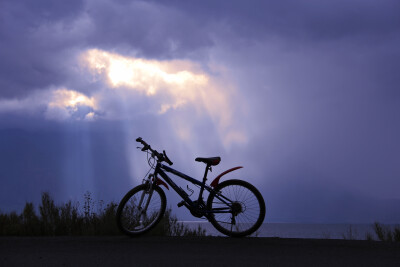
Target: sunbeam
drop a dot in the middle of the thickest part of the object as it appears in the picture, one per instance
(171, 85)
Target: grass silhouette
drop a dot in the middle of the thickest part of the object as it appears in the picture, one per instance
(385, 233)
(67, 220)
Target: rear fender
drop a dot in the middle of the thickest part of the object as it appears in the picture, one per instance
(215, 182)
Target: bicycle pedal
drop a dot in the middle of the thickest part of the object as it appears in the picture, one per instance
(180, 204)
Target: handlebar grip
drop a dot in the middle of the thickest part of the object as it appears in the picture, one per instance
(140, 140)
(145, 145)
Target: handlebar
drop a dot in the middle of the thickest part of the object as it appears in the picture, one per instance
(160, 157)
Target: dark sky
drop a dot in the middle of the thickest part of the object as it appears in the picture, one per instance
(304, 94)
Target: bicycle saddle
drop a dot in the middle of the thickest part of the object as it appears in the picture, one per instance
(210, 161)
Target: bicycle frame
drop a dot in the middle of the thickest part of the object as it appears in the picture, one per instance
(234, 207)
(161, 169)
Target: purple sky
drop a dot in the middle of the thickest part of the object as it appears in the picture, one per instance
(303, 94)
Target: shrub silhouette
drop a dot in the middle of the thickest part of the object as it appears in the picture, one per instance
(30, 222)
(50, 217)
(67, 220)
(169, 226)
(384, 233)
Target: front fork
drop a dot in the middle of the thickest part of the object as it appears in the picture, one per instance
(149, 183)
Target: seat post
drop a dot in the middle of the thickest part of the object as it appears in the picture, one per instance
(205, 173)
(204, 183)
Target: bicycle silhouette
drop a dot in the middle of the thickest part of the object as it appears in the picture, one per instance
(234, 207)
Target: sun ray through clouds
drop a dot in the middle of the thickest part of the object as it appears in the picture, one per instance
(173, 85)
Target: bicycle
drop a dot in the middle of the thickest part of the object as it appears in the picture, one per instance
(234, 207)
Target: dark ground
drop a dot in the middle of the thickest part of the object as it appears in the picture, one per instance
(190, 251)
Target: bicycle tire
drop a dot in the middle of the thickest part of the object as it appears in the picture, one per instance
(129, 220)
(251, 214)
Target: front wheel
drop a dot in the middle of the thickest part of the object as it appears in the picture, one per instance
(237, 209)
(141, 209)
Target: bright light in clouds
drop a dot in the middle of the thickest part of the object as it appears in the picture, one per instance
(143, 75)
(64, 103)
(69, 98)
(173, 84)
(58, 104)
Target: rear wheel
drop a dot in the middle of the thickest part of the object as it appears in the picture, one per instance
(140, 210)
(244, 212)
